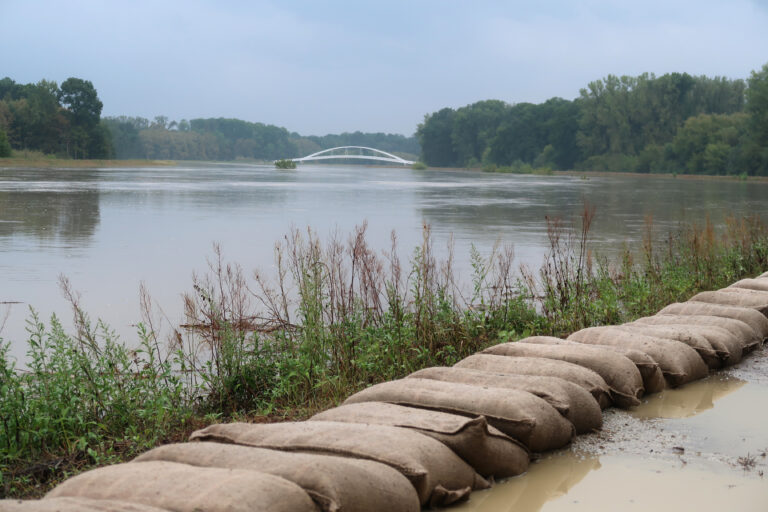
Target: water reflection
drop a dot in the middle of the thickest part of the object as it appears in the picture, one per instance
(49, 206)
(514, 207)
(546, 480)
(688, 400)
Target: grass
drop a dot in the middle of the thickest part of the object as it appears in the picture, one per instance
(37, 159)
(334, 317)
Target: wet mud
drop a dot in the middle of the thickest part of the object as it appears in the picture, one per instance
(701, 446)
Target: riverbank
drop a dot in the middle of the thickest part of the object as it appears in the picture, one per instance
(37, 160)
(597, 174)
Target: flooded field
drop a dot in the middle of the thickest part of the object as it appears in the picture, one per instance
(702, 447)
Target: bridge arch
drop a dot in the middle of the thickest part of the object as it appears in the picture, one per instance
(378, 155)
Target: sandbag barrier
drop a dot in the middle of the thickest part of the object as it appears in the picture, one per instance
(430, 439)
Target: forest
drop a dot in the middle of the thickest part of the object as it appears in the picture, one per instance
(229, 139)
(672, 123)
(62, 120)
(675, 123)
(66, 121)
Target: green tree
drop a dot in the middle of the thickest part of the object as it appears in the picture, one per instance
(434, 135)
(474, 127)
(5, 146)
(88, 139)
(80, 98)
(711, 143)
(757, 107)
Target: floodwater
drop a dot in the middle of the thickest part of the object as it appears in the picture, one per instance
(108, 230)
(702, 447)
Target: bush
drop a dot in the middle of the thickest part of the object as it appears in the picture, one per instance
(285, 164)
(419, 166)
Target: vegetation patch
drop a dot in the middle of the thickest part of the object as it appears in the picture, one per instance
(335, 317)
(285, 164)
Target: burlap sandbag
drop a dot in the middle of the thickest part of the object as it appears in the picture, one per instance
(334, 483)
(741, 297)
(74, 505)
(621, 375)
(679, 362)
(579, 375)
(572, 401)
(712, 358)
(653, 379)
(485, 448)
(519, 414)
(184, 488)
(439, 475)
(760, 283)
(724, 334)
(749, 316)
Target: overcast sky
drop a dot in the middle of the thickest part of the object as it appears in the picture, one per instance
(324, 66)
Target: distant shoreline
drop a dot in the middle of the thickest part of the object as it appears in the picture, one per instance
(52, 163)
(43, 162)
(596, 174)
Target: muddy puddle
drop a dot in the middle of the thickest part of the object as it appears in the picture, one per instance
(703, 446)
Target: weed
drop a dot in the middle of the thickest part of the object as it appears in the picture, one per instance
(336, 316)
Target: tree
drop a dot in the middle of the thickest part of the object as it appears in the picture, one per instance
(757, 105)
(434, 135)
(80, 98)
(84, 111)
(5, 147)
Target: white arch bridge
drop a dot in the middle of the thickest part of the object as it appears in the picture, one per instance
(354, 153)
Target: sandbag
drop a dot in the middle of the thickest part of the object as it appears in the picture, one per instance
(572, 401)
(489, 451)
(741, 297)
(653, 379)
(679, 362)
(334, 483)
(579, 375)
(754, 319)
(184, 488)
(712, 358)
(621, 375)
(439, 475)
(724, 334)
(760, 283)
(74, 505)
(519, 414)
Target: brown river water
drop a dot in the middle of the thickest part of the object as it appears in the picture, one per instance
(108, 230)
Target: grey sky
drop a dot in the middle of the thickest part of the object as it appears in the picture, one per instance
(320, 67)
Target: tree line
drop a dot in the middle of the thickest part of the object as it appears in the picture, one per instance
(671, 123)
(228, 139)
(66, 121)
(63, 120)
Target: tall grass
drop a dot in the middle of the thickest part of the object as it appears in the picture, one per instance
(333, 317)
(83, 399)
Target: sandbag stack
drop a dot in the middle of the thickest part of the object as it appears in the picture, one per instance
(433, 437)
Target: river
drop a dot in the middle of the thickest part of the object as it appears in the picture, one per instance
(107, 230)
(110, 229)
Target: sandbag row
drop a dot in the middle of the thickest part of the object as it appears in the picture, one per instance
(433, 437)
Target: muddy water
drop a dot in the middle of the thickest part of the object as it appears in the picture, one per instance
(108, 230)
(701, 447)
